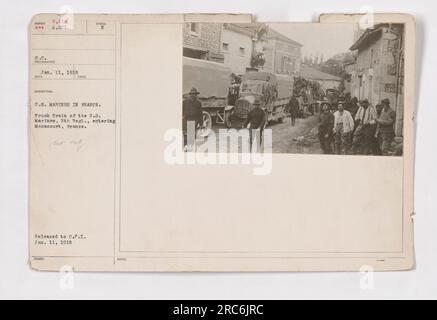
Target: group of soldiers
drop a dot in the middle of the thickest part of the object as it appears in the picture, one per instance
(354, 127)
(349, 127)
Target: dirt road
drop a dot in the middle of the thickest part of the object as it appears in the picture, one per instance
(302, 138)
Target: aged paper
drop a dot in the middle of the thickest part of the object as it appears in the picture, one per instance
(114, 186)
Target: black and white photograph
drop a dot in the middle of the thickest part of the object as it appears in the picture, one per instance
(225, 157)
(334, 89)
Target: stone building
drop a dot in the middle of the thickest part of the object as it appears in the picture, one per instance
(202, 41)
(282, 54)
(229, 43)
(236, 46)
(378, 72)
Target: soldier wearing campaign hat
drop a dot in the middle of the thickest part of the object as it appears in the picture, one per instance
(191, 112)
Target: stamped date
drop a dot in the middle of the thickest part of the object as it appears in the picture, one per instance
(57, 239)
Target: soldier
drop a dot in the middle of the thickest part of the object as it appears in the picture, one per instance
(191, 112)
(267, 92)
(376, 147)
(353, 108)
(386, 126)
(234, 91)
(293, 107)
(365, 120)
(326, 125)
(256, 118)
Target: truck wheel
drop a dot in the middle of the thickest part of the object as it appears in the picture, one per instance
(207, 120)
(228, 121)
(266, 122)
(207, 125)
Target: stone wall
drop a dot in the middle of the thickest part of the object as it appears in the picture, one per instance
(206, 39)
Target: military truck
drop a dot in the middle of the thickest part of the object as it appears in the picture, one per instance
(274, 92)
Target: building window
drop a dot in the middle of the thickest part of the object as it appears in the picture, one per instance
(286, 65)
(196, 54)
(225, 46)
(194, 28)
(242, 50)
(293, 66)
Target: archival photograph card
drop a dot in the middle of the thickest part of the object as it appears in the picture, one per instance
(216, 143)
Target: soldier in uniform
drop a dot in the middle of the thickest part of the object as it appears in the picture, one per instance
(256, 118)
(385, 127)
(234, 91)
(326, 127)
(191, 112)
(353, 107)
(293, 107)
(376, 147)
